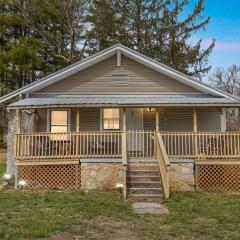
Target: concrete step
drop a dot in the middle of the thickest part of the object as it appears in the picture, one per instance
(143, 178)
(138, 184)
(145, 197)
(131, 173)
(142, 191)
(143, 167)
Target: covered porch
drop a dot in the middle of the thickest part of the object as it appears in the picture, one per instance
(74, 133)
(119, 137)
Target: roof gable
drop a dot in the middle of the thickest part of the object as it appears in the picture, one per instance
(116, 49)
(97, 79)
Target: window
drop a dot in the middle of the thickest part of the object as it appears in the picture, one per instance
(59, 121)
(111, 118)
(120, 79)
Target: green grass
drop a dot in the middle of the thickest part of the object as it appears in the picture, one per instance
(95, 215)
(3, 156)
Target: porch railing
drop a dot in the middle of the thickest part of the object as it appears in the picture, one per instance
(164, 164)
(140, 144)
(202, 144)
(67, 145)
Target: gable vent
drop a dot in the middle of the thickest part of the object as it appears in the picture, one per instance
(120, 79)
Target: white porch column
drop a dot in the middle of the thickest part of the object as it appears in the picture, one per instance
(124, 151)
(18, 120)
(77, 120)
(157, 120)
(223, 119)
(195, 129)
(124, 137)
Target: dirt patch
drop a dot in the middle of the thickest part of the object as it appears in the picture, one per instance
(61, 237)
(109, 228)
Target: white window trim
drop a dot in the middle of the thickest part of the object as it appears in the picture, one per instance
(59, 109)
(120, 120)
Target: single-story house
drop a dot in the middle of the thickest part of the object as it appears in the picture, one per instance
(121, 118)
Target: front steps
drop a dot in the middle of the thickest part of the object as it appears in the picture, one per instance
(144, 182)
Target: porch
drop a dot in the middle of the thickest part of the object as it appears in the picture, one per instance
(135, 144)
(128, 137)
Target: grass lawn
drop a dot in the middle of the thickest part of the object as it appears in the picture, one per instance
(95, 215)
(80, 215)
(3, 155)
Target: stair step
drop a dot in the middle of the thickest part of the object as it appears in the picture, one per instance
(145, 197)
(142, 173)
(143, 178)
(140, 184)
(141, 191)
(143, 167)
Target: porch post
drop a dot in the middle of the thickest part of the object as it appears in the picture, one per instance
(77, 121)
(195, 129)
(157, 120)
(194, 120)
(77, 130)
(18, 120)
(124, 152)
(124, 138)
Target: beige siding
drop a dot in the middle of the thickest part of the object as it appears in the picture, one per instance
(170, 119)
(97, 79)
(41, 122)
(209, 120)
(176, 120)
(182, 120)
(89, 119)
(149, 119)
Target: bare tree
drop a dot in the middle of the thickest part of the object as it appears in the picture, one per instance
(228, 79)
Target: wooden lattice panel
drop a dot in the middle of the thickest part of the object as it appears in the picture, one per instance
(50, 176)
(218, 177)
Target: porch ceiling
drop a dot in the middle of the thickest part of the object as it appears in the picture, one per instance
(123, 100)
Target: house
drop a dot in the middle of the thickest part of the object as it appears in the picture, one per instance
(121, 117)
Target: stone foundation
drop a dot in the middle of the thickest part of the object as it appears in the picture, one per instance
(101, 176)
(182, 176)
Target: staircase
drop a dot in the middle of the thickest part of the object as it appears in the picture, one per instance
(144, 182)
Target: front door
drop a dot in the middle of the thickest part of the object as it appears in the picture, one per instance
(134, 122)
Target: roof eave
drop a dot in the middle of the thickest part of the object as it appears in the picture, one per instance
(226, 105)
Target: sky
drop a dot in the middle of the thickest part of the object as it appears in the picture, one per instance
(225, 28)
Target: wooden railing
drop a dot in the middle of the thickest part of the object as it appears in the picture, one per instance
(164, 164)
(130, 144)
(202, 144)
(140, 144)
(67, 145)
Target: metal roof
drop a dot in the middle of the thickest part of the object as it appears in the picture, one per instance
(121, 101)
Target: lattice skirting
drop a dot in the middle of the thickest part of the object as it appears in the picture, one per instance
(50, 176)
(218, 177)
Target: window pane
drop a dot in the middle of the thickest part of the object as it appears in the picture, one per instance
(111, 118)
(57, 129)
(107, 113)
(59, 117)
(115, 113)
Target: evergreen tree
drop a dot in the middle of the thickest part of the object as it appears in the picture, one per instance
(157, 28)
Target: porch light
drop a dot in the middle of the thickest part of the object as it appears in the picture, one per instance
(6, 176)
(151, 109)
(119, 185)
(22, 183)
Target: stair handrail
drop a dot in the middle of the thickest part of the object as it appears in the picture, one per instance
(164, 164)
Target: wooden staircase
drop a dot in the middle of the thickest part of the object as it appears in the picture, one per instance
(147, 181)
(144, 182)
